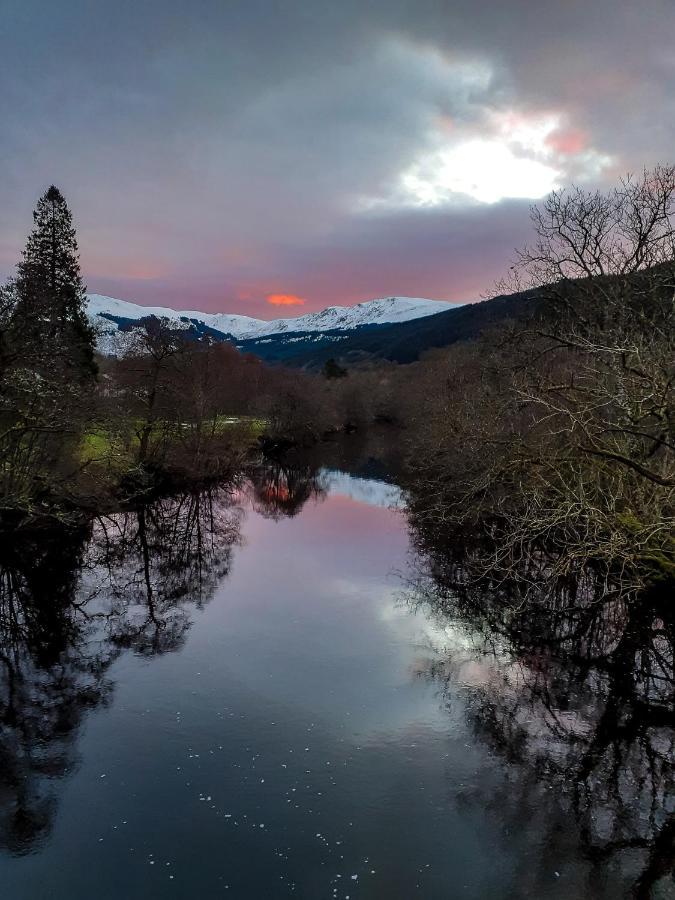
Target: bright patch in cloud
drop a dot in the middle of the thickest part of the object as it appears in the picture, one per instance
(285, 300)
(512, 160)
(487, 171)
(505, 154)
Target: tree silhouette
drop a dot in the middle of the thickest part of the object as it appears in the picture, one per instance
(49, 313)
(47, 368)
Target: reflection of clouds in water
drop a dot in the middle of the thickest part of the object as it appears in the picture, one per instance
(450, 729)
(446, 645)
(362, 490)
(573, 693)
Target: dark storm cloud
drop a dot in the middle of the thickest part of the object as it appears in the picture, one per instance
(216, 151)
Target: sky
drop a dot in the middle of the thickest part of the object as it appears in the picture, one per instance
(273, 158)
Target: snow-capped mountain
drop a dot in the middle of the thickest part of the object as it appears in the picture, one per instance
(112, 318)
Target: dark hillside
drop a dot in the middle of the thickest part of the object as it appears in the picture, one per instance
(401, 342)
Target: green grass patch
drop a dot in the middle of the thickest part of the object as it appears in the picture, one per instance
(107, 449)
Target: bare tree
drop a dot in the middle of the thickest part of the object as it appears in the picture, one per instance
(562, 434)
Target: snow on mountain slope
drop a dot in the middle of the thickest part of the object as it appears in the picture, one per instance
(233, 324)
(388, 310)
(391, 309)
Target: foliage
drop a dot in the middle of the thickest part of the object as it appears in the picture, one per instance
(46, 361)
(557, 440)
(48, 317)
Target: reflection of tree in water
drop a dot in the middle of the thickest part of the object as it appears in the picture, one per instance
(47, 679)
(576, 694)
(69, 604)
(279, 490)
(150, 563)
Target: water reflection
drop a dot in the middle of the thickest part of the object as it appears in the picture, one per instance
(154, 564)
(72, 601)
(556, 759)
(45, 684)
(69, 604)
(278, 489)
(575, 693)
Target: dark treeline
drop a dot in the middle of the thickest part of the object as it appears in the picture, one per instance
(541, 485)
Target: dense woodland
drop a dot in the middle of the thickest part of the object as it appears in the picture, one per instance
(550, 439)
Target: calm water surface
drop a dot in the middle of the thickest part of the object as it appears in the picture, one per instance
(238, 695)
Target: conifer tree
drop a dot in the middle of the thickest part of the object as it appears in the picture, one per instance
(49, 318)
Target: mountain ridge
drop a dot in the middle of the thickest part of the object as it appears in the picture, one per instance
(362, 339)
(379, 311)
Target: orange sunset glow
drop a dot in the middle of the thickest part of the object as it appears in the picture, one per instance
(285, 300)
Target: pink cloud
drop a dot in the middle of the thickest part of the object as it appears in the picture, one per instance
(567, 142)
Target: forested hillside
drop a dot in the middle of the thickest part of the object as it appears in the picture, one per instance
(401, 342)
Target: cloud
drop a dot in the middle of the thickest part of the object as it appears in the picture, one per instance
(569, 141)
(285, 300)
(343, 148)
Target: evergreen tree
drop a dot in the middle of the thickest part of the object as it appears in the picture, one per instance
(49, 319)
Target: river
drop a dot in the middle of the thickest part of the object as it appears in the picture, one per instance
(246, 694)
